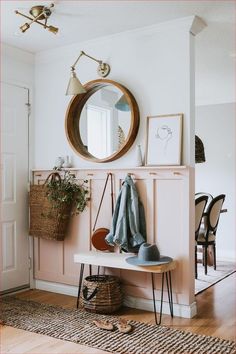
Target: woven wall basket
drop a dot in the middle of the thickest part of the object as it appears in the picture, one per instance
(101, 294)
(47, 222)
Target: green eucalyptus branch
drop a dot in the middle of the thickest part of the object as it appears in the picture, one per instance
(68, 191)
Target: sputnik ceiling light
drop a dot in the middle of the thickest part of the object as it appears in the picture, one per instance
(40, 15)
(74, 86)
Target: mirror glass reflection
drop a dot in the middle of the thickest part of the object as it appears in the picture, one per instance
(105, 122)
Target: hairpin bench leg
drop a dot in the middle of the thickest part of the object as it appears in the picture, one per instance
(80, 283)
(154, 301)
(169, 289)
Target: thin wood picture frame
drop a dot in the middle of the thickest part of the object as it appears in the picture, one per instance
(164, 140)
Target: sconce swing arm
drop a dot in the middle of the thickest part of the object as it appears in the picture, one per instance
(74, 86)
(103, 68)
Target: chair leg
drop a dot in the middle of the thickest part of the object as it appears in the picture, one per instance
(214, 254)
(195, 262)
(203, 256)
(205, 253)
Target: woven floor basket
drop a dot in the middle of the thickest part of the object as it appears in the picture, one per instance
(46, 222)
(101, 294)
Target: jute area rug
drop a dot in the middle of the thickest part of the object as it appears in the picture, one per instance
(223, 270)
(76, 326)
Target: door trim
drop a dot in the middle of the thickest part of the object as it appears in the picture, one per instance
(14, 290)
(30, 120)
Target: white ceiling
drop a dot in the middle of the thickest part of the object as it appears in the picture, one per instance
(83, 20)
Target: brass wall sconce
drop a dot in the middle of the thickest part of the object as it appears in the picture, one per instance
(74, 86)
(40, 15)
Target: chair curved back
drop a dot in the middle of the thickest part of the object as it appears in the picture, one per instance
(210, 197)
(213, 213)
(200, 204)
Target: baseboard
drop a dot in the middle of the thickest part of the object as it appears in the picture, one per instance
(225, 256)
(16, 290)
(56, 287)
(221, 256)
(186, 311)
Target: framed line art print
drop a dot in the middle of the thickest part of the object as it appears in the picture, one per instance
(164, 140)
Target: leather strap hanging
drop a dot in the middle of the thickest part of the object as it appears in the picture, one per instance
(53, 177)
(98, 236)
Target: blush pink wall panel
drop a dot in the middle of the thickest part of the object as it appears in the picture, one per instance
(164, 192)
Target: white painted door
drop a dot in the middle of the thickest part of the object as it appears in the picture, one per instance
(14, 187)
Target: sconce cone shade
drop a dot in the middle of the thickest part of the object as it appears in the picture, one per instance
(199, 150)
(122, 104)
(74, 86)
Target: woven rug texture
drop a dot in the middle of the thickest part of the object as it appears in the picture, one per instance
(76, 326)
(203, 282)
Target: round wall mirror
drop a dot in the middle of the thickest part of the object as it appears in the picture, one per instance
(102, 124)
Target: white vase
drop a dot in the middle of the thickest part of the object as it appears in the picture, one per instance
(139, 160)
(67, 162)
(59, 162)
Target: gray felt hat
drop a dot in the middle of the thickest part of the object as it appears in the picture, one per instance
(148, 255)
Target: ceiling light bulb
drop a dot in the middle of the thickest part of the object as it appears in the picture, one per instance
(24, 27)
(46, 12)
(53, 29)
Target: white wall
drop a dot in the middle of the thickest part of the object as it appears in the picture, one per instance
(215, 63)
(154, 63)
(215, 125)
(17, 68)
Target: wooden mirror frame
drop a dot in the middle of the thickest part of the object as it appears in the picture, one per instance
(73, 117)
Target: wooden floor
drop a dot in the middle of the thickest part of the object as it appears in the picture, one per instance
(216, 317)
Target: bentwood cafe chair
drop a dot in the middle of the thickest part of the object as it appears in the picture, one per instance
(207, 234)
(200, 204)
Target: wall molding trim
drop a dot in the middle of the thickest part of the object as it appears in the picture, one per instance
(188, 24)
(185, 311)
(150, 183)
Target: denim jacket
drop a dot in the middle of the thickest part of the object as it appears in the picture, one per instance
(128, 228)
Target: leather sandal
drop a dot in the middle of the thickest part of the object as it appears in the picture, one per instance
(104, 325)
(124, 327)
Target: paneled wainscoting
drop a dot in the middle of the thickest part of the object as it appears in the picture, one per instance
(166, 193)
